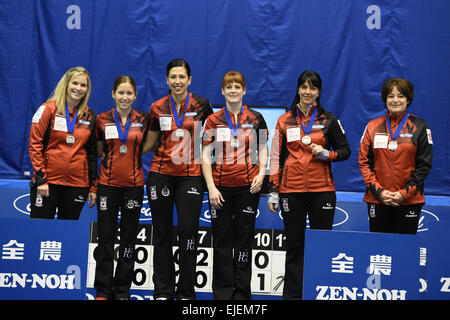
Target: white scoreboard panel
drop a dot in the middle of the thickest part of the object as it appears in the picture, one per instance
(267, 265)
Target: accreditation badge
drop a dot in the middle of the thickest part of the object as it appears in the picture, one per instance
(380, 141)
(60, 124)
(293, 134)
(111, 132)
(165, 123)
(223, 134)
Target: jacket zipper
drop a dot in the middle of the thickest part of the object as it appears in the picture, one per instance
(285, 177)
(84, 171)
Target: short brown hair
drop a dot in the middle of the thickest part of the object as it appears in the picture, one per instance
(403, 85)
(233, 76)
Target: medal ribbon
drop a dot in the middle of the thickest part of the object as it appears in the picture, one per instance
(311, 121)
(400, 126)
(234, 130)
(123, 135)
(178, 121)
(71, 124)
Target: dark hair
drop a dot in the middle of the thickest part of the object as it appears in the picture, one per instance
(124, 79)
(403, 85)
(178, 63)
(313, 79)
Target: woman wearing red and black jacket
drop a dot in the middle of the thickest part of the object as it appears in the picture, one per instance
(175, 177)
(63, 150)
(234, 164)
(120, 133)
(395, 157)
(307, 139)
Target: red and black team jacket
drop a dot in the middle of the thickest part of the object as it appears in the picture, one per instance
(234, 167)
(179, 156)
(404, 169)
(117, 169)
(53, 159)
(293, 167)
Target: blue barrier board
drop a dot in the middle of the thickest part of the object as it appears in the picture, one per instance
(343, 265)
(42, 259)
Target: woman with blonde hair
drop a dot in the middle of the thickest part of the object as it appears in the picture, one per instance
(63, 150)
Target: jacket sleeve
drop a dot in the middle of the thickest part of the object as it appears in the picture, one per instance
(208, 110)
(92, 156)
(424, 157)
(39, 132)
(366, 164)
(277, 155)
(340, 147)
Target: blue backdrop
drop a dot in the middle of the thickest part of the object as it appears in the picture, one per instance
(354, 45)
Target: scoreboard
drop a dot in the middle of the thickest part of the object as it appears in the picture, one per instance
(267, 260)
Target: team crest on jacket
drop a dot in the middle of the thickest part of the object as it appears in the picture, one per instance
(213, 213)
(284, 204)
(103, 206)
(153, 194)
(39, 200)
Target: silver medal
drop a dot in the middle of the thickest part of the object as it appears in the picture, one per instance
(179, 133)
(306, 140)
(123, 149)
(392, 146)
(234, 143)
(70, 139)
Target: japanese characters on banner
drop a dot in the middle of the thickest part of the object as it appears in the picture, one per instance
(360, 266)
(43, 259)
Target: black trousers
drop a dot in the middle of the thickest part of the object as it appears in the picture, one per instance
(186, 193)
(388, 219)
(233, 228)
(319, 207)
(68, 200)
(110, 200)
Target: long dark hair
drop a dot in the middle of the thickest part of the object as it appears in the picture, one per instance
(313, 79)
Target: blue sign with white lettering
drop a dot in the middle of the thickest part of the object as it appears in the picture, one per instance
(43, 259)
(438, 261)
(341, 265)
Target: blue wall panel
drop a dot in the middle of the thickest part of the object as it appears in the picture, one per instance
(354, 45)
